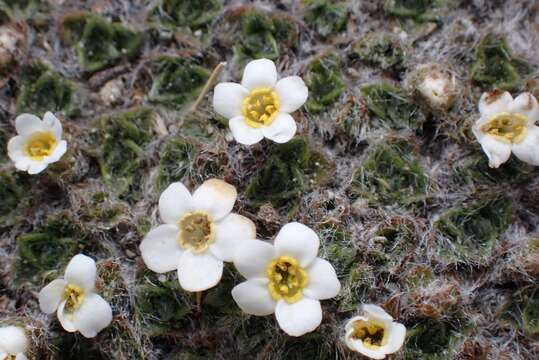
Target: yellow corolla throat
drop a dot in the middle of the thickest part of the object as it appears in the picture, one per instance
(197, 231)
(74, 296)
(261, 107)
(41, 145)
(286, 279)
(10, 357)
(507, 127)
(372, 333)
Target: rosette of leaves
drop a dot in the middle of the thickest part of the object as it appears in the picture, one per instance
(418, 10)
(193, 14)
(325, 16)
(430, 339)
(325, 82)
(380, 49)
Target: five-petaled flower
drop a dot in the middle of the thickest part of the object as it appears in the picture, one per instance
(260, 106)
(13, 343)
(374, 334)
(73, 298)
(506, 125)
(38, 143)
(199, 233)
(286, 278)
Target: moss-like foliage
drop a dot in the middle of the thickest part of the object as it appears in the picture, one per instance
(530, 315)
(392, 106)
(264, 35)
(191, 14)
(286, 174)
(325, 16)
(325, 83)
(162, 307)
(381, 50)
(394, 241)
(430, 340)
(13, 190)
(176, 81)
(417, 10)
(360, 284)
(100, 43)
(16, 10)
(176, 161)
(50, 247)
(73, 346)
(338, 248)
(43, 90)
(390, 175)
(495, 66)
(469, 232)
(122, 139)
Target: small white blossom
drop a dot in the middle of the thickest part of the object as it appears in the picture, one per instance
(508, 125)
(13, 343)
(260, 106)
(73, 298)
(374, 334)
(286, 278)
(38, 143)
(199, 233)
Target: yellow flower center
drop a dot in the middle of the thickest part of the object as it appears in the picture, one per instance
(260, 107)
(74, 296)
(10, 357)
(372, 333)
(286, 279)
(197, 231)
(507, 127)
(40, 145)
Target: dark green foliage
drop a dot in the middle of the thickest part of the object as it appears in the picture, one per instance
(394, 241)
(338, 248)
(430, 340)
(264, 35)
(470, 231)
(381, 50)
(13, 188)
(43, 90)
(390, 175)
(16, 10)
(392, 106)
(417, 10)
(176, 81)
(530, 315)
(73, 346)
(325, 83)
(357, 287)
(495, 67)
(100, 43)
(325, 16)
(122, 139)
(285, 175)
(319, 344)
(176, 161)
(193, 14)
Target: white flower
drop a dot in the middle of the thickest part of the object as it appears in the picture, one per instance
(38, 144)
(286, 278)
(13, 343)
(506, 125)
(73, 298)
(261, 106)
(374, 334)
(199, 233)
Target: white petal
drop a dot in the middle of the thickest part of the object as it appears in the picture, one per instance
(282, 129)
(174, 202)
(497, 152)
(65, 318)
(27, 124)
(23, 164)
(252, 258)
(94, 315)
(376, 312)
(350, 323)
(51, 296)
(161, 249)
(528, 149)
(81, 271)
(13, 340)
(494, 102)
(58, 152)
(526, 104)
(259, 73)
(292, 93)
(216, 197)
(252, 296)
(298, 241)
(357, 345)
(36, 167)
(228, 98)
(396, 339)
(300, 317)
(198, 272)
(16, 147)
(323, 283)
(52, 122)
(230, 233)
(21, 356)
(243, 133)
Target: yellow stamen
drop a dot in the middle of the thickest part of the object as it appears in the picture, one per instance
(507, 127)
(371, 332)
(260, 107)
(74, 296)
(197, 231)
(286, 279)
(41, 145)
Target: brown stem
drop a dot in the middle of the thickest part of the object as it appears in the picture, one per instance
(215, 73)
